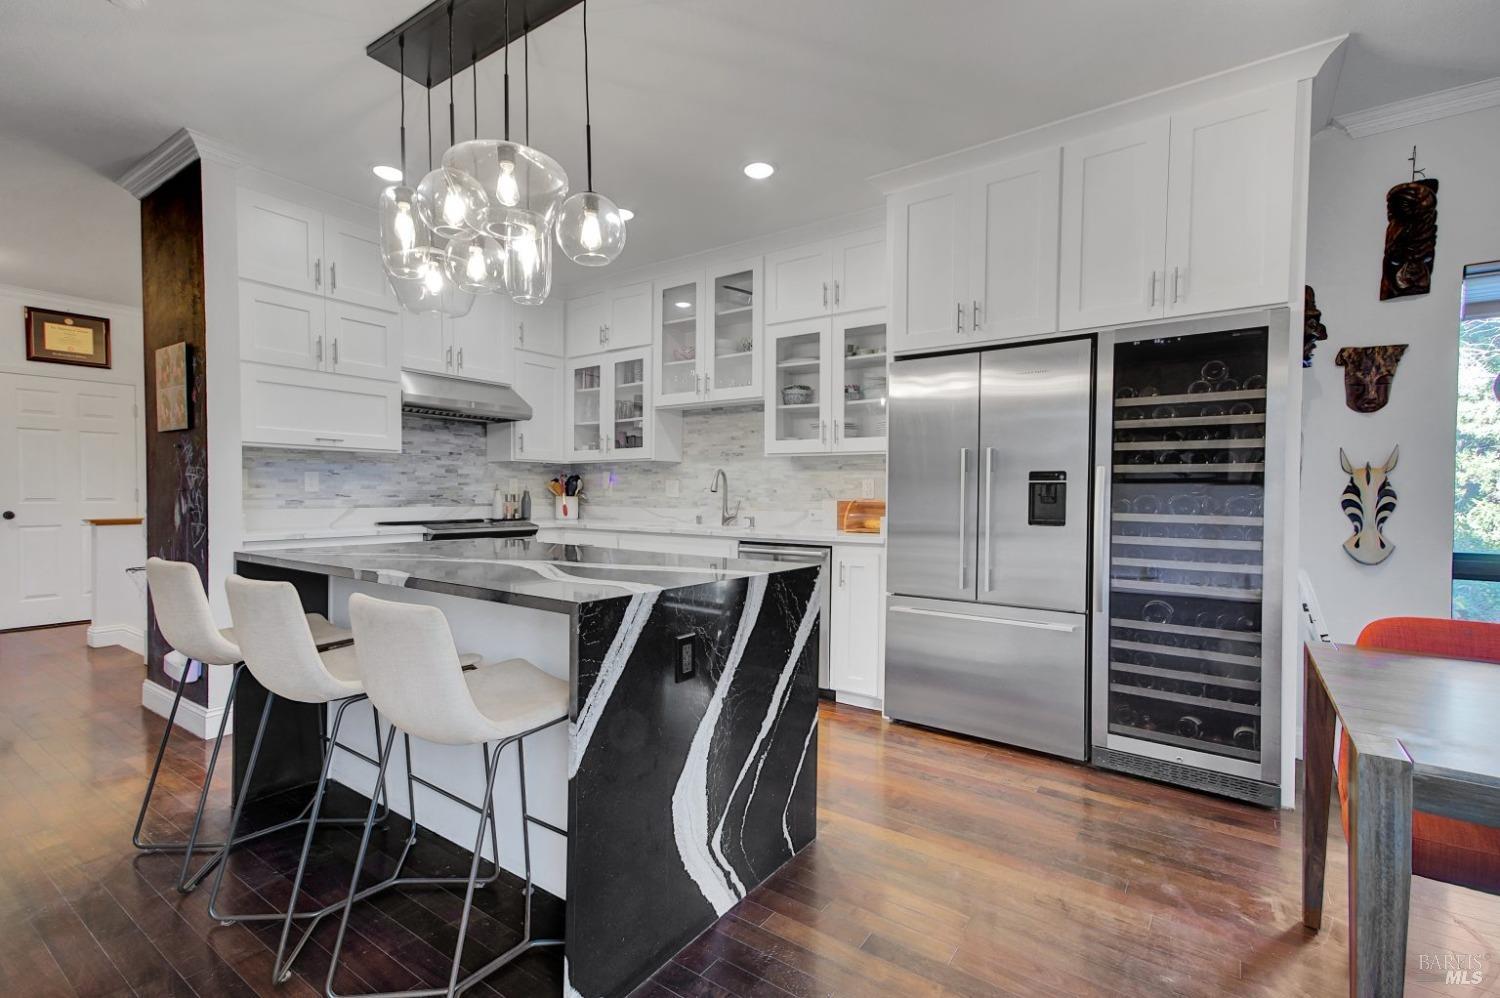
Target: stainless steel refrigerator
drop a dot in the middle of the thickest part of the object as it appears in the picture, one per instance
(987, 624)
(1086, 548)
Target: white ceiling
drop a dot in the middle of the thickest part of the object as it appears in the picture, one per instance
(685, 92)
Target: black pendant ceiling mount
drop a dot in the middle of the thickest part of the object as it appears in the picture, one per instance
(479, 30)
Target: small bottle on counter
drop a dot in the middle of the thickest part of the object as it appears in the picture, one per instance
(525, 504)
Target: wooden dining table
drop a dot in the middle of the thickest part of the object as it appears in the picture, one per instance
(1423, 734)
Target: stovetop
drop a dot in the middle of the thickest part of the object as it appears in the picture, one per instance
(454, 524)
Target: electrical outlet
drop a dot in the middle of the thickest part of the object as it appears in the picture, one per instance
(674, 487)
(310, 481)
(867, 488)
(687, 664)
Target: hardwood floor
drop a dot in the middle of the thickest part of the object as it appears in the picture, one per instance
(943, 866)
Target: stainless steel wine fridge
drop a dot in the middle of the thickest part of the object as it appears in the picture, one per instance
(1187, 566)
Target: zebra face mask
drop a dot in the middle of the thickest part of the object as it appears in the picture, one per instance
(1368, 501)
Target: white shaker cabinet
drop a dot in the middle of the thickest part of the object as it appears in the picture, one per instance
(856, 646)
(280, 243)
(1012, 247)
(362, 342)
(843, 274)
(355, 272)
(538, 380)
(617, 319)
(477, 346)
(1229, 203)
(928, 226)
(1114, 210)
(297, 330)
(539, 328)
(286, 407)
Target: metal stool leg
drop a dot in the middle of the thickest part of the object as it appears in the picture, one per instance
(161, 752)
(359, 859)
(186, 884)
(486, 816)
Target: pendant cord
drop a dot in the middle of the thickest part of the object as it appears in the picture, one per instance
(401, 48)
(588, 121)
(507, 70)
(526, 72)
(429, 124)
(474, 80)
(452, 131)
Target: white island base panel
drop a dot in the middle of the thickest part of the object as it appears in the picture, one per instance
(497, 631)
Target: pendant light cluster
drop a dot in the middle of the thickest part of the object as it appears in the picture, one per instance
(483, 221)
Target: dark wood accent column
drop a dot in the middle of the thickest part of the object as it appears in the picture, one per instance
(172, 311)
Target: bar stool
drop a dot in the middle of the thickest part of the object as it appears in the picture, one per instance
(185, 620)
(404, 651)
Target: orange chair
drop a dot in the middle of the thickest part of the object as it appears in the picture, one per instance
(1455, 852)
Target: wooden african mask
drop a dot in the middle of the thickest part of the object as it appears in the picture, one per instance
(1368, 373)
(1368, 501)
(1313, 330)
(1410, 239)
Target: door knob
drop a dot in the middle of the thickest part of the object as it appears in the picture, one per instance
(8, 515)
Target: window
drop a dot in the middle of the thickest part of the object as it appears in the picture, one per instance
(1476, 487)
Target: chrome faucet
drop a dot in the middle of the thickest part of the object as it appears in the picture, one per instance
(726, 518)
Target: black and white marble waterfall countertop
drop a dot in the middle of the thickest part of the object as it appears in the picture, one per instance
(559, 577)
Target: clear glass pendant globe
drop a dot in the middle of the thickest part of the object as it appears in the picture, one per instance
(590, 231)
(529, 268)
(477, 263)
(523, 187)
(451, 202)
(404, 237)
(412, 294)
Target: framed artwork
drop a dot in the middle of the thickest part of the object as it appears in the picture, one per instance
(172, 388)
(67, 338)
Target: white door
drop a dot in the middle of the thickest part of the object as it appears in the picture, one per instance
(1229, 205)
(424, 342)
(355, 272)
(363, 342)
(733, 332)
(539, 328)
(315, 410)
(281, 327)
(860, 382)
(797, 384)
(680, 345)
(854, 647)
(1114, 227)
(859, 271)
(928, 277)
(628, 421)
(539, 380)
(583, 324)
(280, 243)
(587, 406)
(629, 322)
(798, 283)
(1013, 247)
(481, 341)
(67, 453)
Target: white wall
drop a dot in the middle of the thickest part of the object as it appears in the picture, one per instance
(1345, 242)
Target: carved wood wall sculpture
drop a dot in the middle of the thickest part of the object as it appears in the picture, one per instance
(1410, 239)
(1368, 373)
(1313, 330)
(1368, 501)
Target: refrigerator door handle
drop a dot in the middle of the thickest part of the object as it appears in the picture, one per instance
(1101, 533)
(963, 512)
(989, 503)
(1040, 625)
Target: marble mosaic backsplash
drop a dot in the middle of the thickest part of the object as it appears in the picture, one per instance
(444, 462)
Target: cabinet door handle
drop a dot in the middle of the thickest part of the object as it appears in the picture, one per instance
(822, 431)
(697, 384)
(318, 346)
(601, 334)
(835, 431)
(708, 383)
(333, 276)
(825, 294)
(842, 576)
(1151, 290)
(974, 316)
(522, 447)
(318, 272)
(335, 351)
(1102, 527)
(607, 330)
(329, 440)
(1177, 282)
(958, 322)
(460, 358)
(522, 338)
(835, 292)
(448, 358)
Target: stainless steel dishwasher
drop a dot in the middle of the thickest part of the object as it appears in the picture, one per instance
(812, 554)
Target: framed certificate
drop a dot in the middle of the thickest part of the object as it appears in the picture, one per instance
(67, 338)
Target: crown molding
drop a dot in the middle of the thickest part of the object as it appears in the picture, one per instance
(167, 160)
(1415, 110)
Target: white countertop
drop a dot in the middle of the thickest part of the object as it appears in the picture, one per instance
(786, 535)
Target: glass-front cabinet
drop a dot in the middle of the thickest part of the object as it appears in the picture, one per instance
(827, 385)
(1186, 431)
(609, 411)
(709, 328)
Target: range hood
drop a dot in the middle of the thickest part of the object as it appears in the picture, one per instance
(459, 398)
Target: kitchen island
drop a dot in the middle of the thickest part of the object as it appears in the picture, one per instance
(687, 772)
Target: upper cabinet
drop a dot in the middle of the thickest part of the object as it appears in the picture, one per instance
(1180, 216)
(608, 412)
(539, 328)
(292, 329)
(477, 346)
(295, 247)
(617, 319)
(827, 385)
(539, 380)
(975, 256)
(708, 335)
(845, 274)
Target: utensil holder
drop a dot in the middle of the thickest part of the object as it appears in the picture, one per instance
(565, 507)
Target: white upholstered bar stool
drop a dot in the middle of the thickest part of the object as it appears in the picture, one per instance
(405, 653)
(185, 620)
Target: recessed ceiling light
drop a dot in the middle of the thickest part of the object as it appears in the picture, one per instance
(129, 4)
(759, 171)
(626, 214)
(683, 304)
(388, 173)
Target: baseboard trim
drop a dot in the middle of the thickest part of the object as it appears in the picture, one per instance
(859, 700)
(191, 717)
(123, 635)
